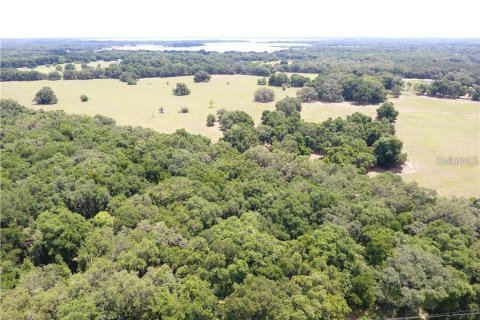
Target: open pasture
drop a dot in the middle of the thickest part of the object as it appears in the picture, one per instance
(431, 129)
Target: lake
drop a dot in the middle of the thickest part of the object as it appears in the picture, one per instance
(242, 46)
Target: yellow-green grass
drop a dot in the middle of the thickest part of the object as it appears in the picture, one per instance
(430, 128)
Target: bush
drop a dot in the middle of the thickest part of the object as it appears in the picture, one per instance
(264, 95)
(387, 111)
(201, 76)
(289, 105)
(83, 98)
(211, 120)
(54, 76)
(307, 94)
(299, 81)
(181, 90)
(183, 110)
(262, 81)
(45, 96)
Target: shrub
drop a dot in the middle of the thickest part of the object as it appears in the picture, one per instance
(201, 76)
(264, 95)
(181, 90)
(54, 76)
(262, 81)
(83, 98)
(183, 110)
(307, 94)
(387, 111)
(45, 96)
(211, 120)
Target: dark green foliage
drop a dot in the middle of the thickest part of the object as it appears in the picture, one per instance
(388, 151)
(54, 76)
(278, 79)
(387, 111)
(307, 94)
(181, 90)
(84, 98)
(329, 88)
(103, 221)
(289, 105)
(228, 119)
(211, 120)
(298, 81)
(45, 96)
(264, 95)
(201, 76)
(364, 90)
(446, 89)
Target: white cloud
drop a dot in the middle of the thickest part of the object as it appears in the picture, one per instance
(246, 18)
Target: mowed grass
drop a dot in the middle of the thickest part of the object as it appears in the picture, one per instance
(430, 128)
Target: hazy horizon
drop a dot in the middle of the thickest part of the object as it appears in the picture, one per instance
(266, 19)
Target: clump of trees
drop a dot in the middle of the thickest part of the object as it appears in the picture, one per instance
(443, 88)
(54, 76)
(307, 94)
(201, 76)
(45, 96)
(181, 89)
(264, 95)
(363, 90)
(278, 79)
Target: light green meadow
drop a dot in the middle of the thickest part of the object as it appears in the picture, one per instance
(430, 128)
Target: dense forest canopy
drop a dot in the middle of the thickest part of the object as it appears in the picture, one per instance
(101, 221)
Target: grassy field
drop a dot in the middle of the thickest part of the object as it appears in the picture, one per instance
(430, 128)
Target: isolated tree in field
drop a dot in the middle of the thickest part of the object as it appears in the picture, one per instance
(387, 111)
(289, 105)
(278, 79)
(45, 96)
(264, 95)
(262, 81)
(201, 76)
(388, 151)
(211, 120)
(307, 94)
(84, 98)
(54, 76)
(181, 90)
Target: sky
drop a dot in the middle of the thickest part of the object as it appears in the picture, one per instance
(200, 19)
